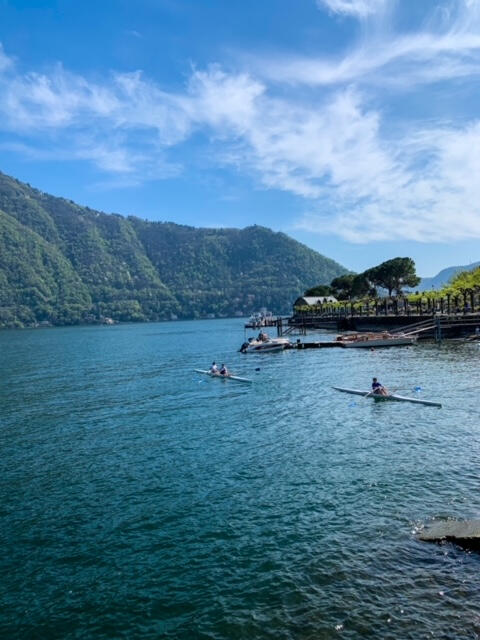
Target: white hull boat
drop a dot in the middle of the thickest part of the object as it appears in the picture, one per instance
(390, 396)
(264, 346)
(369, 340)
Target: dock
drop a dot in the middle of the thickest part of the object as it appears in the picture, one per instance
(321, 344)
(463, 533)
(434, 326)
(439, 317)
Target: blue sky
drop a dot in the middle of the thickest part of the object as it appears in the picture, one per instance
(352, 125)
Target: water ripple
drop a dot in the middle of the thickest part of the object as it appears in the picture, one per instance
(140, 500)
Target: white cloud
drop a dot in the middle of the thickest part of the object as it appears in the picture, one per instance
(220, 99)
(439, 203)
(134, 33)
(107, 124)
(357, 8)
(58, 100)
(5, 61)
(362, 166)
(446, 48)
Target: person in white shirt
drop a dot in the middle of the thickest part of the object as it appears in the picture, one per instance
(214, 368)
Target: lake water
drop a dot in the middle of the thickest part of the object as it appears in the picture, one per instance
(141, 500)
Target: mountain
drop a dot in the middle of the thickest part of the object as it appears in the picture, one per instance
(444, 276)
(61, 263)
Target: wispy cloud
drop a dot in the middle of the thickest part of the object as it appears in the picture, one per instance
(357, 8)
(108, 124)
(134, 33)
(362, 166)
(5, 61)
(446, 45)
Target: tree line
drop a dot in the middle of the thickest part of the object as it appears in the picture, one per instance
(392, 275)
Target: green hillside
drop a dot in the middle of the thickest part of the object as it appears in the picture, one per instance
(65, 264)
(36, 282)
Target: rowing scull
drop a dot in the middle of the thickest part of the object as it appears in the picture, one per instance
(391, 396)
(219, 375)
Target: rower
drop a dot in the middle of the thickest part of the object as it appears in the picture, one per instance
(378, 389)
(224, 371)
(214, 368)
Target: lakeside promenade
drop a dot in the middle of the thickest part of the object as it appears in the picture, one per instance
(429, 324)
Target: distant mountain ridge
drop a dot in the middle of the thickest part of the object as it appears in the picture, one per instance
(61, 263)
(443, 277)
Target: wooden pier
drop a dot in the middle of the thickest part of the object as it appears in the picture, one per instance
(434, 326)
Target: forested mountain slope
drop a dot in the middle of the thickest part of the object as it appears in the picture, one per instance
(65, 264)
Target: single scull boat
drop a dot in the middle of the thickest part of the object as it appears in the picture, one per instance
(391, 396)
(219, 375)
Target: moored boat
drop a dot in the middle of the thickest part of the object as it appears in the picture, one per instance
(264, 343)
(371, 339)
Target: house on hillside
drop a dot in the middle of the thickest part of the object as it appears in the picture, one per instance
(312, 301)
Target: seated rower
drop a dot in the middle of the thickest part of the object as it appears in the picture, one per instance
(224, 371)
(214, 369)
(378, 389)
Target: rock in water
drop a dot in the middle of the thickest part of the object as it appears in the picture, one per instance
(465, 533)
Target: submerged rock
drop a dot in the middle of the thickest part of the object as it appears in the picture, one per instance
(465, 533)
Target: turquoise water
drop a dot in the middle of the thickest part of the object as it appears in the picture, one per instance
(140, 500)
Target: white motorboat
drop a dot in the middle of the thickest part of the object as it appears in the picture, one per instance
(264, 344)
(370, 339)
